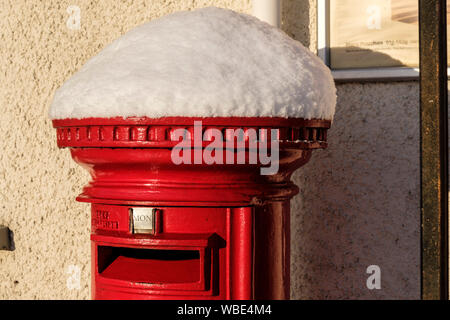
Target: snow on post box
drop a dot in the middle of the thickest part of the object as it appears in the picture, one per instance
(178, 122)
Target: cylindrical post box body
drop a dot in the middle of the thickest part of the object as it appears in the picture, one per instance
(196, 230)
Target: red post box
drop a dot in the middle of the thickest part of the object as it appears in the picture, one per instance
(162, 230)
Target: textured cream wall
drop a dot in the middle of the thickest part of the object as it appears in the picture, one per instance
(359, 200)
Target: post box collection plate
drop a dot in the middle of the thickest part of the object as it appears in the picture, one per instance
(142, 220)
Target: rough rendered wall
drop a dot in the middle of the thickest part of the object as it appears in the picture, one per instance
(359, 199)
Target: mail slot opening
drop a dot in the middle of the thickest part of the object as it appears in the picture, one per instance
(149, 265)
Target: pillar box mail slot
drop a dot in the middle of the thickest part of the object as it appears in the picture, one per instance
(167, 265)
(149, 266)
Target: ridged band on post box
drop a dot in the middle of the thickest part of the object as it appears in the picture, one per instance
(217, 231)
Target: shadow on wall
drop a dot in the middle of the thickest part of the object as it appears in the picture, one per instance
(296, 20)
(359, 199)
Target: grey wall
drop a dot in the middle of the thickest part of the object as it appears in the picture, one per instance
(359, 200)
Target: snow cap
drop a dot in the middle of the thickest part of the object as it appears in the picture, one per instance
(208, 62)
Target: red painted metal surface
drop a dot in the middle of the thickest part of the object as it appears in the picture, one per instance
(221, 230)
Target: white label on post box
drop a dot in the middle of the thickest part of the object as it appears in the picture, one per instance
(142, 220)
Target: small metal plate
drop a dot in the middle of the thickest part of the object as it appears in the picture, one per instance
(142, 220)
